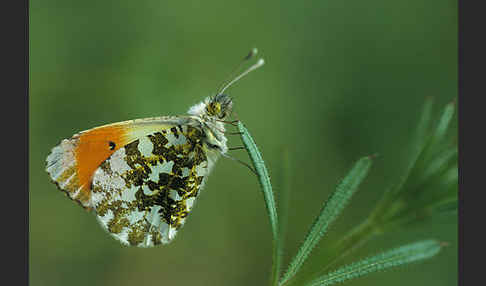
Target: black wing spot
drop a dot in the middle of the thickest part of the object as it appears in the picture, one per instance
(112, 145)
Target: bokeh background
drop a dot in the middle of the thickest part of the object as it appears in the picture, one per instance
(343, 79)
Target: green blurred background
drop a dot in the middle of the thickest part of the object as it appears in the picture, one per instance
(342, 79)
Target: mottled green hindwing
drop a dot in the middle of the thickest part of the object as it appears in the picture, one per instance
(143, 193)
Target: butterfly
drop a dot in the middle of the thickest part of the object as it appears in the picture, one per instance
(141, 177)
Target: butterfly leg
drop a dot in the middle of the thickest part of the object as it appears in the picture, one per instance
(239, 161)
(233, 122)
(236, 148)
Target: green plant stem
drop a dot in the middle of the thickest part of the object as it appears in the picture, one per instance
(275, 263)
(351, 241)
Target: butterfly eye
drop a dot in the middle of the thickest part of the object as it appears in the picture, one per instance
(112, 145)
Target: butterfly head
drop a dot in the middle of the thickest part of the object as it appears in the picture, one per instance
(219, 106)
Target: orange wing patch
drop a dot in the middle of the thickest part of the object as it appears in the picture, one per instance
(72, 163)
(94, 147)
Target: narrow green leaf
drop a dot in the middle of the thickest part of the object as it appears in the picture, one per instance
(446, 205)
(263, 177)
(450, 208)
(451, 176)
(266, 186)
(436, 143)
(444, 122)
(441, 162)
(329, 212)
(283, 202)
(444, 183)
(435, 171)
(422, 131)
(420, 145)
(395, 257)
(419, 142)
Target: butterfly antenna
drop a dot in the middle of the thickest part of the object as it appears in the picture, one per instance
(258, 64)
(225, 85)
(250, 55)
